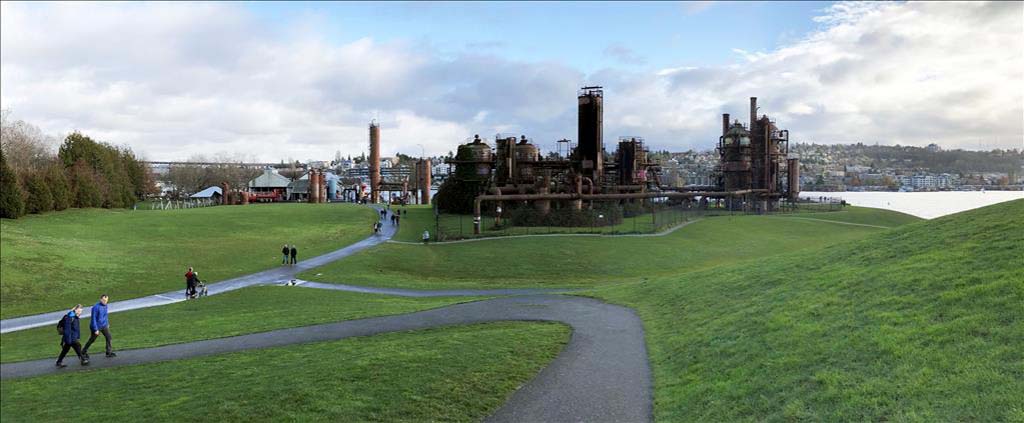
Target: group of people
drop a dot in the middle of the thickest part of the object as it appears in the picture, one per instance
(288, 254)
(395, 217)
(69, 331)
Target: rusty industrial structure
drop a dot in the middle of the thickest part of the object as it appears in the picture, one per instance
(753, 159)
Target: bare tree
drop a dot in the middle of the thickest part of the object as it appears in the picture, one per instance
(25, 146)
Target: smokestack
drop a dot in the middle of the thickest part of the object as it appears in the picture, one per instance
(725, 123)
(793, 174)
(753, 112)
(374, 162)
(424, 181)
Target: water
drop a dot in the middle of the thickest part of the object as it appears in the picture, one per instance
(928, 205)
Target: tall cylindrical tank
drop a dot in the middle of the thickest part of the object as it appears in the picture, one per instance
(525, 154)
(734, 149)
(590, 133)
(311, 186)
(793, 178)
(332, 187)
(374, 162)
(423, 180)
(477, 160)
(321, 184)
(725, 123)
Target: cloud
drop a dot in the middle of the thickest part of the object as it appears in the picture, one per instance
(624, 55)
(175, 80)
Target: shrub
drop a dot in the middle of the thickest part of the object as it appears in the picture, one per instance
(85, 185)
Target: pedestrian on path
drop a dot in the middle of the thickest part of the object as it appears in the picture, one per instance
(190, 283)
(426, 236)
(98, 323)
(69, 335)
(284, 254)
(294, 253)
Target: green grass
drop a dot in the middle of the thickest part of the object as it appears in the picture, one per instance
(585, 261)
(52, 261)
(861, 215)
(249, 310)
(920, 323)
(449, 374)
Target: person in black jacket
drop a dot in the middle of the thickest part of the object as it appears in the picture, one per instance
(69, 337)
(284, 254)
(294, 252)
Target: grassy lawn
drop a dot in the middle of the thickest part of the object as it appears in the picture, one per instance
(250, 310)
(585, 261)
(920, 323)
(449, 374)
(52, 261)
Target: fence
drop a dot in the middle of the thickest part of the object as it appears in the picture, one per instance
(611, 218)
(162, 204)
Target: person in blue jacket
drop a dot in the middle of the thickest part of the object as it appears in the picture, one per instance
(99, 323)
(69, 336)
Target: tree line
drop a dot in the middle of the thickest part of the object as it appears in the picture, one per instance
(82, 173)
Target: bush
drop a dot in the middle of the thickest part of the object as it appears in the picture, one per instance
(457, 196)
(12, 203)
(600, 215)
(39, 200)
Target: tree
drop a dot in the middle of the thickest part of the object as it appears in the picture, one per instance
(12, 204)
(39, 199)
(86, 189)
(59, 188)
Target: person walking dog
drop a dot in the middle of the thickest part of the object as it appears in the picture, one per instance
(68, 330)
(98, 323)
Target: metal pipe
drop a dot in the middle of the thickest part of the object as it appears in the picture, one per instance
(725, 123)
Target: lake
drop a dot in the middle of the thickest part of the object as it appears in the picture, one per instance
(928, 205)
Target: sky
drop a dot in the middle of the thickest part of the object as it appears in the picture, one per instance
(283, 81)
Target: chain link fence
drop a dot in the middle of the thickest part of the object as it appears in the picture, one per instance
(610, 218)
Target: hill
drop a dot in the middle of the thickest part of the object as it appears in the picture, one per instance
(923, 322)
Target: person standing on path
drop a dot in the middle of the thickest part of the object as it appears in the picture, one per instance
(190, 283)
(98, 323)
(284, 255)
(69, 336)
(426, 236)
(293, 252)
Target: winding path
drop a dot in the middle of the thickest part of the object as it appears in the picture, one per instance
(601, 375)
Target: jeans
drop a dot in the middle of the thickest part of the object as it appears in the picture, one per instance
(106, 335)
(64, 351)
(284, 259)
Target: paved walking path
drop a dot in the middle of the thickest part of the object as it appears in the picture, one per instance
(833, 221)
(601, 375)
(272, 276)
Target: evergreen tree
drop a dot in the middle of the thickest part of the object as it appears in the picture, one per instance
(39, 200)
(87, 192)
(59, 188)
(12, 203)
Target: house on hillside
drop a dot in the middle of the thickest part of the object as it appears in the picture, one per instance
(213, 193)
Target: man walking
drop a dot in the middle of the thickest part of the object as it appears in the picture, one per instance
(293, 252)
(284, 254)
(99, 323)
(68, 329)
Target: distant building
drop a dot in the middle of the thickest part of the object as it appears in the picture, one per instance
(212, 193)
(933, 148)
(270, 184)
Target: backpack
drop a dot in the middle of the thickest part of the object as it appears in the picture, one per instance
(60, 326)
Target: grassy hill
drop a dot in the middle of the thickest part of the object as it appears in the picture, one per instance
(921, 323)
(52, 261)
(586, 261)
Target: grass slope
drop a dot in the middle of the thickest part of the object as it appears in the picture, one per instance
(585, 261)
(49, 262)
(450, 374)
(920, 323)
(250, 310)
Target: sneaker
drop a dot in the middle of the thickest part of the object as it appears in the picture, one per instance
(111, 354)
(86, 355)
(85, 362)
(61, 365)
